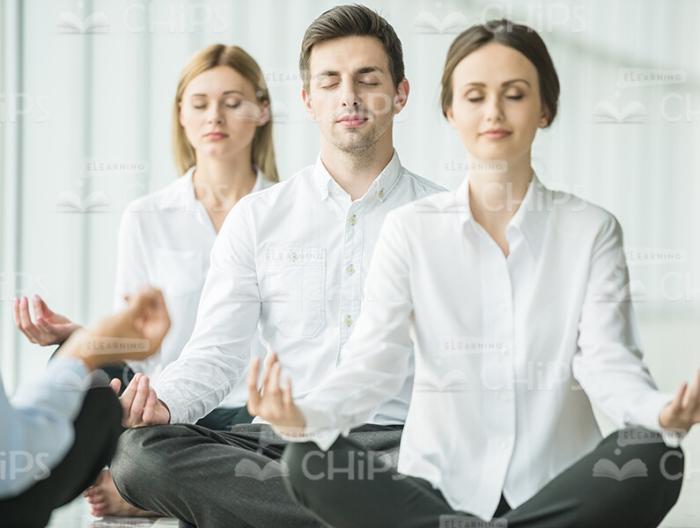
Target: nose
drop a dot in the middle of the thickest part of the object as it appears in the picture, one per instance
(349, 97)
(493, 110)
(214, 113)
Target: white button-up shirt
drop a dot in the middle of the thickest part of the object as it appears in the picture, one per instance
(289, 261)
(165, 240)
(509, 352)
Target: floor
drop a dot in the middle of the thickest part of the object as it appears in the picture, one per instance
(77, 515)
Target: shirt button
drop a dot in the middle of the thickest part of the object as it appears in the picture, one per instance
(380, 193)
(348, 320)
(353, 220)
(350, 269)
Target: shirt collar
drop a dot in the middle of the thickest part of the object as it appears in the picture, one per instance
(179, 194)
(530, 218)
(380, 189)
(183, 196)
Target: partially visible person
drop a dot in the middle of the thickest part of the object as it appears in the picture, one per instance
(222, 141)
(57, 434)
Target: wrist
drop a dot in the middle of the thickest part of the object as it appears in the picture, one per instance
(78, 346)
(167, 409)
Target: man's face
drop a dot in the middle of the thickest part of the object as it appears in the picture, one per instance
(351, 93)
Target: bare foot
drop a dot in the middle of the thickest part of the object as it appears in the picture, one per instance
(104, 500)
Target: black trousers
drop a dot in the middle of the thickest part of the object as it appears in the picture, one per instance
(97, 430)
(574, 498)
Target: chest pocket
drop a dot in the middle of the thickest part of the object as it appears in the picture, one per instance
(178, 272)
(292, 288)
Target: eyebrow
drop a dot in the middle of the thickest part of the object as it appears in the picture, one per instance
(506, 83)
(359, 71)
(227, 92)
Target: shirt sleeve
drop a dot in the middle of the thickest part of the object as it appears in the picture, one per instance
(132, 272)
(377, 357)
(37, 426)
(609, 363)
(217, 355)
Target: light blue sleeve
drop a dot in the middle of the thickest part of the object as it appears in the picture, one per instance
(36, 428)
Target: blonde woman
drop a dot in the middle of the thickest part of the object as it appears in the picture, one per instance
(222, 139)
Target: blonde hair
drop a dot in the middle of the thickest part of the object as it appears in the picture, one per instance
(263, 151)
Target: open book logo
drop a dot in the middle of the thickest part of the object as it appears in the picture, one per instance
(249, 469)
(69, 22)
(429, 23)
(610, 112)
(71, 202)
(632, 469)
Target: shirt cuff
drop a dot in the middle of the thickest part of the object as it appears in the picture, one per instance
(648, 417)
(315, 430)
(178, 413)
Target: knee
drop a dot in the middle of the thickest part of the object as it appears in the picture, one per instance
(664, 464)
(304, 464)
(137, 457)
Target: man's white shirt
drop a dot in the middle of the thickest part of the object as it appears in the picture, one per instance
(289, 262)
(509, 352)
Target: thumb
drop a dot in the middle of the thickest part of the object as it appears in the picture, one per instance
(116, 385)
(41, 308)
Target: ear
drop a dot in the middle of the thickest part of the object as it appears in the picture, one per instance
(264, 114)
(401, 98)
(450, 117)
(179, 114)
(544, 118)
(306, 98)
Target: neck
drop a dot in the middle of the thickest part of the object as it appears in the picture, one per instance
(223, 181)
(495, 196)
(355, 172)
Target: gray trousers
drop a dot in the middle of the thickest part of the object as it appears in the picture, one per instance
(582, 496)
(219, 478)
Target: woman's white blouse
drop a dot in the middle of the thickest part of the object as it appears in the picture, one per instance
(165, 240)
(509, 352)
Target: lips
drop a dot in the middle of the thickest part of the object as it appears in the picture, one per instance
(352, 121)
(215, 136)
(496, 133)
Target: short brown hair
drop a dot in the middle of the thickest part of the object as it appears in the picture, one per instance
(517, 36)
(352, 20)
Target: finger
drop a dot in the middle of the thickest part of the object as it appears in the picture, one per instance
(116, 385)
(149, 411)
(287, 398)
(270, 360)
(274, 387)
(691, 395)
(137, 406)
(676, 406)
(25, 319)
(15, 309)
(127, 397)
(253, 392)
(40, 308)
